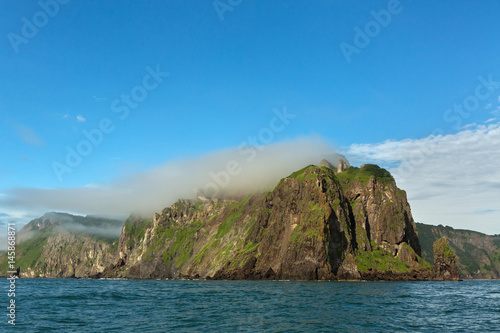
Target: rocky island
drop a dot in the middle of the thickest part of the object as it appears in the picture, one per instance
(319, 223)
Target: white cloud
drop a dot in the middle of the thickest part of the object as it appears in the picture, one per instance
(448, 178)
(29, 136)
(66, 116)
(148, 192)
(472, 125)
(490, 120)
(80, 119)
(17, 219)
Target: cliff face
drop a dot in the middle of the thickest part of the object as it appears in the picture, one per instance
(313, 225)
(63, 245)
(68, 255)
(478, 255)
(380, 209)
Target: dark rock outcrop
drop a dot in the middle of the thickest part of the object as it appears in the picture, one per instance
(445, 265)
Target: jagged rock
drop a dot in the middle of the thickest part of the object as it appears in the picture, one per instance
(325, 163)
(445, 265)
(349, 270)
(342, 165)
(380, 209)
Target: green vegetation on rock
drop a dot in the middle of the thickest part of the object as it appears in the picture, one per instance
(136, 229)
(29, 251)
(301, 174)
(379, 260)
(177, 242)
(237, 208)
(365, 173)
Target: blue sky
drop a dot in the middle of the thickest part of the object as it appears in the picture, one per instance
(231, 65)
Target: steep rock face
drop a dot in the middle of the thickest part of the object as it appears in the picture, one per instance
(342, 165)
(64, 245)
(478, 255)
(309, 227)
(68, 255)
(381, 211)
(445, 265)
(306, 234)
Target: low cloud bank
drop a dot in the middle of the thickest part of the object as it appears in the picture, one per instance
(234, 171)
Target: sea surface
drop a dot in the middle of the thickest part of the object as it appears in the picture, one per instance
(71, 305)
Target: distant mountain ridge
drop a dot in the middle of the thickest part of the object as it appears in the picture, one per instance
(478, 254)
(65, 245)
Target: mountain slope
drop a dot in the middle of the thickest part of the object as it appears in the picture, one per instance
(64, 245)
(478, 255)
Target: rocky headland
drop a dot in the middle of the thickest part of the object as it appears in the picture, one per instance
(319, 223)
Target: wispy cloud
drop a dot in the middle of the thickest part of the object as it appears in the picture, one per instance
(485, 211)
(80, 119)
(16, 217)
(98, 99)
(147, 192)
(28, 135)
(447, 177)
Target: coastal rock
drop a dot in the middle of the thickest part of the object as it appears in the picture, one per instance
(310, 227)
(380, 209)
(445, 265)
(65, 246)
(316, 224)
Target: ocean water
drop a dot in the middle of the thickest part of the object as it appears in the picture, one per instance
(70, 305)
